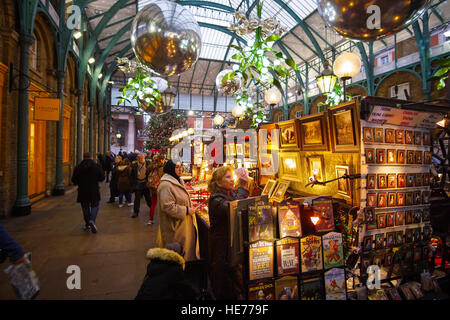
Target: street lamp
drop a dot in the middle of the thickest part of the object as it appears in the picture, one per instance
(327, 79)
(346, 66)
(118, 136)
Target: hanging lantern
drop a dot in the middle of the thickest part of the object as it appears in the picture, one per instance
(228, 86)
(347, 65)
(166, 37)
(272, 96)
(161, 107)
(218, 120)
(238, 110)
(327, 80)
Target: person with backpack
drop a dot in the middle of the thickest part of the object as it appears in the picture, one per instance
(154, 178)
(140, 172)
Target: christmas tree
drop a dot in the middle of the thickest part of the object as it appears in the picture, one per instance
(160, 127)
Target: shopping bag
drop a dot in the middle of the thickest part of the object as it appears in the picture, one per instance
(23, 279)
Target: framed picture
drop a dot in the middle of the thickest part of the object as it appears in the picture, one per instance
(400, 136)
(370, 218)
(381, 156)
(392, 199)
(399, 218)
(390, 219)
(391, 181)
(409, 199)
(391, 156)
(418, 138)
(368, 135)
(400, 199)
(344, 127)
(378, 137)
(269, 187)
(289, 134)
(426, 139)
(382, 201)
(239, 150)
(371, 181)
(426, 197)
(367, 243)
(409, 235)
(417, 235)
(410, 159)
(417, 197)
(410, 180)
(315, 167)
(381, 220)
(370, 155)
(379, 241)
(401, 156)
(390, 136)
(426, 179)
(419, 159)
(419, 180)
(266, 164)
(401, 180)
(426, 233)
(390, 239)
(290, 168)
(371, 199)
(399, 238)
(343, 184)
(382, 183)
(426, 215)
(417, 216)
(313, 133)
(280, 190)
(389, 257)
(409, 137)
(272, 135)
(408, 217)
(427, 157)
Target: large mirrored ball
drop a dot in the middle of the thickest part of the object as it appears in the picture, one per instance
(166, 37)
(370, 20)
(154, 110)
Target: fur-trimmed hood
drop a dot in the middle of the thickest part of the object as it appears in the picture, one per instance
(165, 255)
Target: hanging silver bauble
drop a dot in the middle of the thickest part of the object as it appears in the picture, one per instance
(166, 37)
(370, 20)
(231, 86)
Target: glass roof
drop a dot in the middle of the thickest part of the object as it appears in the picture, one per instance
(215, 42)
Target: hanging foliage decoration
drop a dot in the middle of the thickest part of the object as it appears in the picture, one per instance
(254, 66)
(160, 128)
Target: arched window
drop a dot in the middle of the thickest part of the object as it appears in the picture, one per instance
(34, 53)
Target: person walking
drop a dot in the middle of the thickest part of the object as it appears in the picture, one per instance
(177, 221)
(108, 163)
(9, 248)
(140, 171)
(154, 179)
(124, 185)
(86, 176)
(225, 280)
(113, 191)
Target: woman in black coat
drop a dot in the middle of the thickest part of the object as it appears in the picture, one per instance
(165, 278)
(224, 280)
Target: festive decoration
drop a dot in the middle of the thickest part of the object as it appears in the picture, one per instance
(159, 129)
(228, 86)
(374, 20)
(334, 98)
(142, 87)
(166, 37)
(254, 66)
(246, 26)
(442, 73)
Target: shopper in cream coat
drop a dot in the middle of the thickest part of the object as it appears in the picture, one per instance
(177, 221)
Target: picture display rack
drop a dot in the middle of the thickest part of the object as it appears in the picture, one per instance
(372, 168)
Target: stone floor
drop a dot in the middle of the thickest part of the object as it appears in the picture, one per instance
(112, 262)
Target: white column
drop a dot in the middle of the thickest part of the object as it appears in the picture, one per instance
(131, 136)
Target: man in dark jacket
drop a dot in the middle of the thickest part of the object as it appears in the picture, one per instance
(113, 191)
(86, 176)
(139, 177)
(108, 163)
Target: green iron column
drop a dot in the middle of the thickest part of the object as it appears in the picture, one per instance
(105, 128)
(99, 125)
(59, 187)
(22, 205)
(91, 127)
(80, 94)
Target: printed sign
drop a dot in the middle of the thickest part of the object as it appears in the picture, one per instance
(402, 117)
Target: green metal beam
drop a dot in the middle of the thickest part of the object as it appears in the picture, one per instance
(206, 4)
(222, 29)
(204, 78)
(297, 73)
